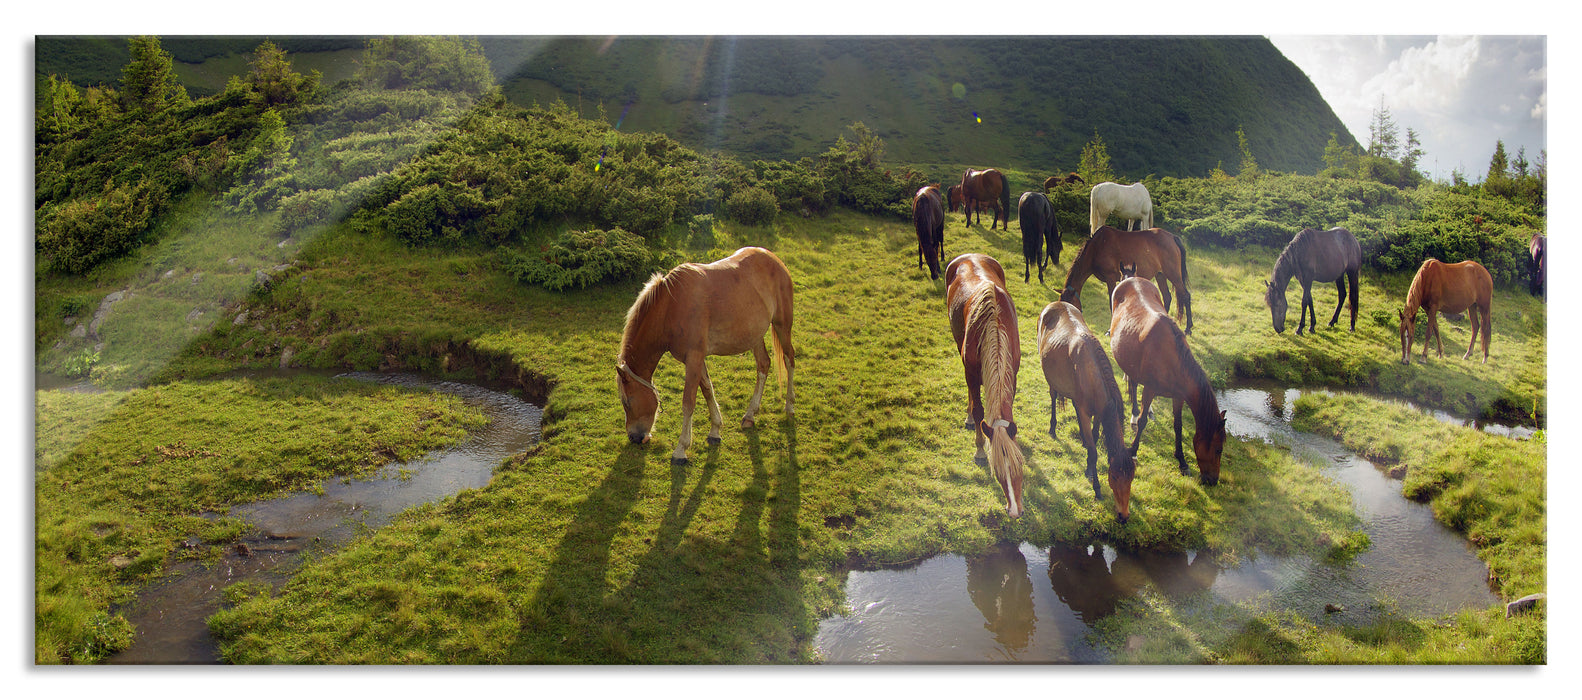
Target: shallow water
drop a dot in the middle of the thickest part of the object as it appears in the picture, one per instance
(170, 615)
(1024, 604)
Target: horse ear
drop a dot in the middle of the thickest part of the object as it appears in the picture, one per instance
(1266, 284)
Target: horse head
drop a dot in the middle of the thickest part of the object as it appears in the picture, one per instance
(1123, 467)
(1275, 300)
(955, 197)
(1408, 326)
(640, 401)
(1208, 443)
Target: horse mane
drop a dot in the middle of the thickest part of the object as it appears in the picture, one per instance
(660, 281)
(1414, 295)
(998, 373)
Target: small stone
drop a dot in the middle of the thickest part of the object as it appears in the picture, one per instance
(121, 561)
(1522, 605)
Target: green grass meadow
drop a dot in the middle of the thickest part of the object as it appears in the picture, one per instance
(587, 549)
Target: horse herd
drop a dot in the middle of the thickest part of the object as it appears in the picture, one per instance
(725, 308)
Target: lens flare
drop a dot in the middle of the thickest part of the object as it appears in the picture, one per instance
(975, 116)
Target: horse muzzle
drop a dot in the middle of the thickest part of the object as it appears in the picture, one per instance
(638, 437)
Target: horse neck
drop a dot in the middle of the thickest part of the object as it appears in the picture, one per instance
(1081, 266)
(647, 338)
(1201, 400)
(1284, 269)
(995, 356)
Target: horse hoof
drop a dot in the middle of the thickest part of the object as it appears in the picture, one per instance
(679, 461)
(713, 440)
(1209, 481)
(1121, 518)
(969, 425)
(747, 424)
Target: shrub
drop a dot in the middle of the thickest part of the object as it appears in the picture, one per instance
(583, 258)
(78, 234)
(752, 205)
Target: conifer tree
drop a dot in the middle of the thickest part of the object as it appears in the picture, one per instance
(149, 80)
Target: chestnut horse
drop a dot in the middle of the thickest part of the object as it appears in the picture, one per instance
(1155, 253)
(983, 323)
(696, 310)
(928, 216)
(1536, 252)
(1314, 256)
(1451, 289)
(1153, 352)
(983, 186)
(1075, 366)
(1054, 181)
(1037, 219)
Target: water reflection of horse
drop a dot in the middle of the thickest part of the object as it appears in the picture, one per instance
(1130, 202)
(1076, 366)
(983, 323)
(1536, 253)
(983, 186)
(1448, 288)
(1155, 253)
(1037, 219)
(696, 310)
(928, 217)
(1002, 590)
(1314, 256)
(1093, 587)
(1153, 352)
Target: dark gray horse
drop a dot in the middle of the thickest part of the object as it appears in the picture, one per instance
(1315, 256)
(1038, 227)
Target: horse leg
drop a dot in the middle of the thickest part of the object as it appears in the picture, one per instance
(1180, 456)
(715, 418)
(1488, 328)
(1163, 283)
(1085, 426)
(1474, 312)
(1351, 280)
(1142, 418)
(689, 399)
(1439, 339)
(1340, 289)
(1307, 299)
(1054, 401)
(762, 357)
(975, 416)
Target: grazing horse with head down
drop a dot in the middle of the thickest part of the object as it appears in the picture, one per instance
(1314, 256)
(1449, 288)
(1152, 253)
(1075, 366)
(1054, 181)
(1153, 352)
(1037, 219)
(1130, 202)
(983, 186)
(692, 311)
(983, 323)
(928, 217)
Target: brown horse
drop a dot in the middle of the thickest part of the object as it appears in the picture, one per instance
(983, 186)
(1314, 256)
(983, 323)
(1155, 252)
(1058, 180)
(1450, 289)
(1075, 366)
(1536, 252)
(1153, 352)
(928, 216)
(695, 310)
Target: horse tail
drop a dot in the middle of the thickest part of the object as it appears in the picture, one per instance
(780, 335)
(1181, 250)
(1005, 197)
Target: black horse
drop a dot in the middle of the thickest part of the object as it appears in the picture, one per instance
(928, 215)
(1038, 227)
(1315, 256)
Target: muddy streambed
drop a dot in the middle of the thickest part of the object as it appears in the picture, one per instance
(170, 615)
(1021, 603)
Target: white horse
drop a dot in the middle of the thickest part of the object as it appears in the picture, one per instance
(1130, 202)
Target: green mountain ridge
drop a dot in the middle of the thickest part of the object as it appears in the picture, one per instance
(1167, 106)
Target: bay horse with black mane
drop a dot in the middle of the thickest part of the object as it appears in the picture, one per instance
(696, 310)
(983, 186)
(1314, 256)
(1449, 288)
(1153, 352)
(928, 217)
(1155, 254)
(1037, 219)
(983, 323)
(1076, 367)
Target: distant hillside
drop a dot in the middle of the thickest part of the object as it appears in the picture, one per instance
(1163, 105)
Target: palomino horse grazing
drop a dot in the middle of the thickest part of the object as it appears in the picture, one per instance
(1536, 252)
(983, 322)
(1451, 289)
(1130, 202)
(983, 186)
(1153, 352)
(1075, 366)
(1155, 253)
(721, 308)
(928, 216)
(1037, 219)
(1314, 256)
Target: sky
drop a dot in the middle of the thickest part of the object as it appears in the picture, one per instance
(1460, 94)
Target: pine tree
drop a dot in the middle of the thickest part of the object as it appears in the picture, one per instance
(1497, 164)
(1094, 167)
(1383, 138)
(149, 81)
(1249, 166)
(1413, 152)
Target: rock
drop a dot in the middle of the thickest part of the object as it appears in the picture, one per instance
(194, 315)
(121, 561)
(241, 318)
(80, 331)
(1521, 605)
(69, 321)
(168, 274)
(285, 357)
(195, 277)
(104, 310)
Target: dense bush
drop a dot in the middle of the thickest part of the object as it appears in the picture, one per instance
(78, 234)
(579, 259)
(752, 205)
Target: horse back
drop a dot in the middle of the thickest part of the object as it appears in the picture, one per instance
(1143, 337)
(1066, 348)
(963, 277)
(1452, 287)
(735, 299)
(1326, 255)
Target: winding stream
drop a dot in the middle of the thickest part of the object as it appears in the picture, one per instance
(1024, 604)
(170, 615)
